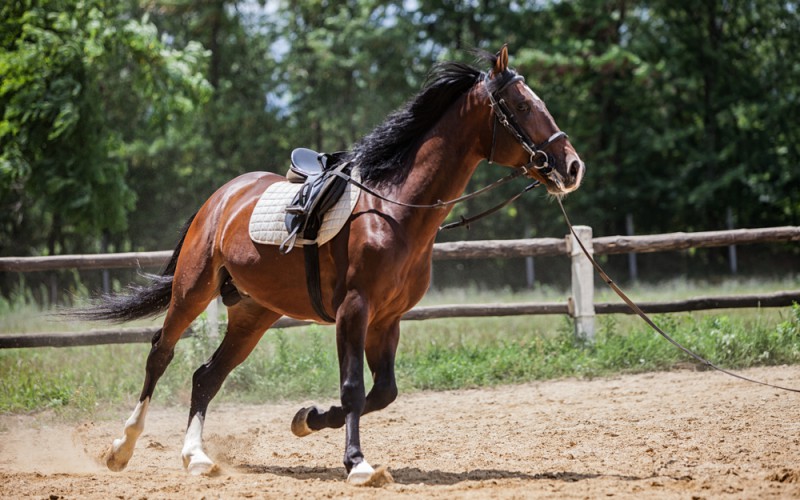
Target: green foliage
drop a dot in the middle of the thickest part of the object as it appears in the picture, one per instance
(79, 81)
(347, 66)
(120, 118)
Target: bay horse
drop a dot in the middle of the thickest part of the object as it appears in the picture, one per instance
(373, 271)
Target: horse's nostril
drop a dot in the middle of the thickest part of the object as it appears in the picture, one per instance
(574, 169)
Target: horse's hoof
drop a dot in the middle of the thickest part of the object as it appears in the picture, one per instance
(300, 427)
(360, 473)
(199, 465)
(113, 460)
(203, 469)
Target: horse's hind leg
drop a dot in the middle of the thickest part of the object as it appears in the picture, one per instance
(247, 322)
(181, 313)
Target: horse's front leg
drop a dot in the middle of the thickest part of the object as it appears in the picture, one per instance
(380, 348)
(351, 328)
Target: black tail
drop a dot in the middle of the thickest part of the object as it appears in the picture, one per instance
(139, 301)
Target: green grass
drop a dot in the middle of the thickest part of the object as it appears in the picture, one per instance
(300, 363)
(455, 360)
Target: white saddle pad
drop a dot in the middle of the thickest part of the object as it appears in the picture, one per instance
(268, 226)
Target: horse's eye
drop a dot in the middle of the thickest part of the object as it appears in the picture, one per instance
(524, 107)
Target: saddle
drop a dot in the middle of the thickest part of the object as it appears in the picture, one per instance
(307, 162)
(322, 187)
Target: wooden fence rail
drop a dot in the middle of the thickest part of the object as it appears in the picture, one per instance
(580, 305)
(481, 249)
(144, 335)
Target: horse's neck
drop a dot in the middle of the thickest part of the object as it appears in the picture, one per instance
(443, 164)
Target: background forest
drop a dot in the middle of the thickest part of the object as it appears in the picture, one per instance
(119, 118)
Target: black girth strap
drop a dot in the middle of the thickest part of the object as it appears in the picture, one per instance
(311, 254)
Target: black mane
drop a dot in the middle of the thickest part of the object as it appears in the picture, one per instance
(383, 155)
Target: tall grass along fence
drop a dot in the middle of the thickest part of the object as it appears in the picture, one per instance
(580, 305)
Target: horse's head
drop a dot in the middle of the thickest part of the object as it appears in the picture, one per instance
(528, 136)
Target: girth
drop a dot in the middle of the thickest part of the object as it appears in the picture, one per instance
(321, 189)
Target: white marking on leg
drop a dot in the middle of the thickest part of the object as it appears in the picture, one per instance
(122, 449)
(360, 473)
(194, 458)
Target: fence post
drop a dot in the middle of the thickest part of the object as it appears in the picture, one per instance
(731, 249)
(530, 269)
(582, 284)
(633, 269)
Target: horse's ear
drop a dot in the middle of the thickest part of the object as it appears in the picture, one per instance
(501, 61)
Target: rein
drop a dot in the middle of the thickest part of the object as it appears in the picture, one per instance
(440, 204)
(636, 309)
(464, 221)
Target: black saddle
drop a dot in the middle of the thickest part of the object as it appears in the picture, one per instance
(308, 163)
(321, 189)
(323, 185)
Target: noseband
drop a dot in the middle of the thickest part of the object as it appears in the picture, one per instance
(539, 158)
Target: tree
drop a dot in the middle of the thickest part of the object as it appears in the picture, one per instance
(347, 65)
(81, 82)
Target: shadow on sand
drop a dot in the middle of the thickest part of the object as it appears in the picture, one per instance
(431, 477)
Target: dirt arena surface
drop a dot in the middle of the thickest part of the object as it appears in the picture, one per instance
(683, 434)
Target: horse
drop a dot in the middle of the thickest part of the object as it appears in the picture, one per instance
(372, 272)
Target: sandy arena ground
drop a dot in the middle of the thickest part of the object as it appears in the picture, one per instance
(687, 435)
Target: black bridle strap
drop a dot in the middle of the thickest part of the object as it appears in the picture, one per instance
(506, 118)
(636, 309)
(466, 221)
(439, 204)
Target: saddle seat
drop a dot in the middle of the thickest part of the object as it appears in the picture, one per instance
(308, 163)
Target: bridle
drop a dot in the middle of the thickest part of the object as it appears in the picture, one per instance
(539, 158)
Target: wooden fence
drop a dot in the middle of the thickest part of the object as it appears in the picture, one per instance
(580, 305)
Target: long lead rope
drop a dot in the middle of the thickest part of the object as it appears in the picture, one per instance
(636, 309)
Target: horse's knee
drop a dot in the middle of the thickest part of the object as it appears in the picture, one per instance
(353, 395)
(390, 394)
